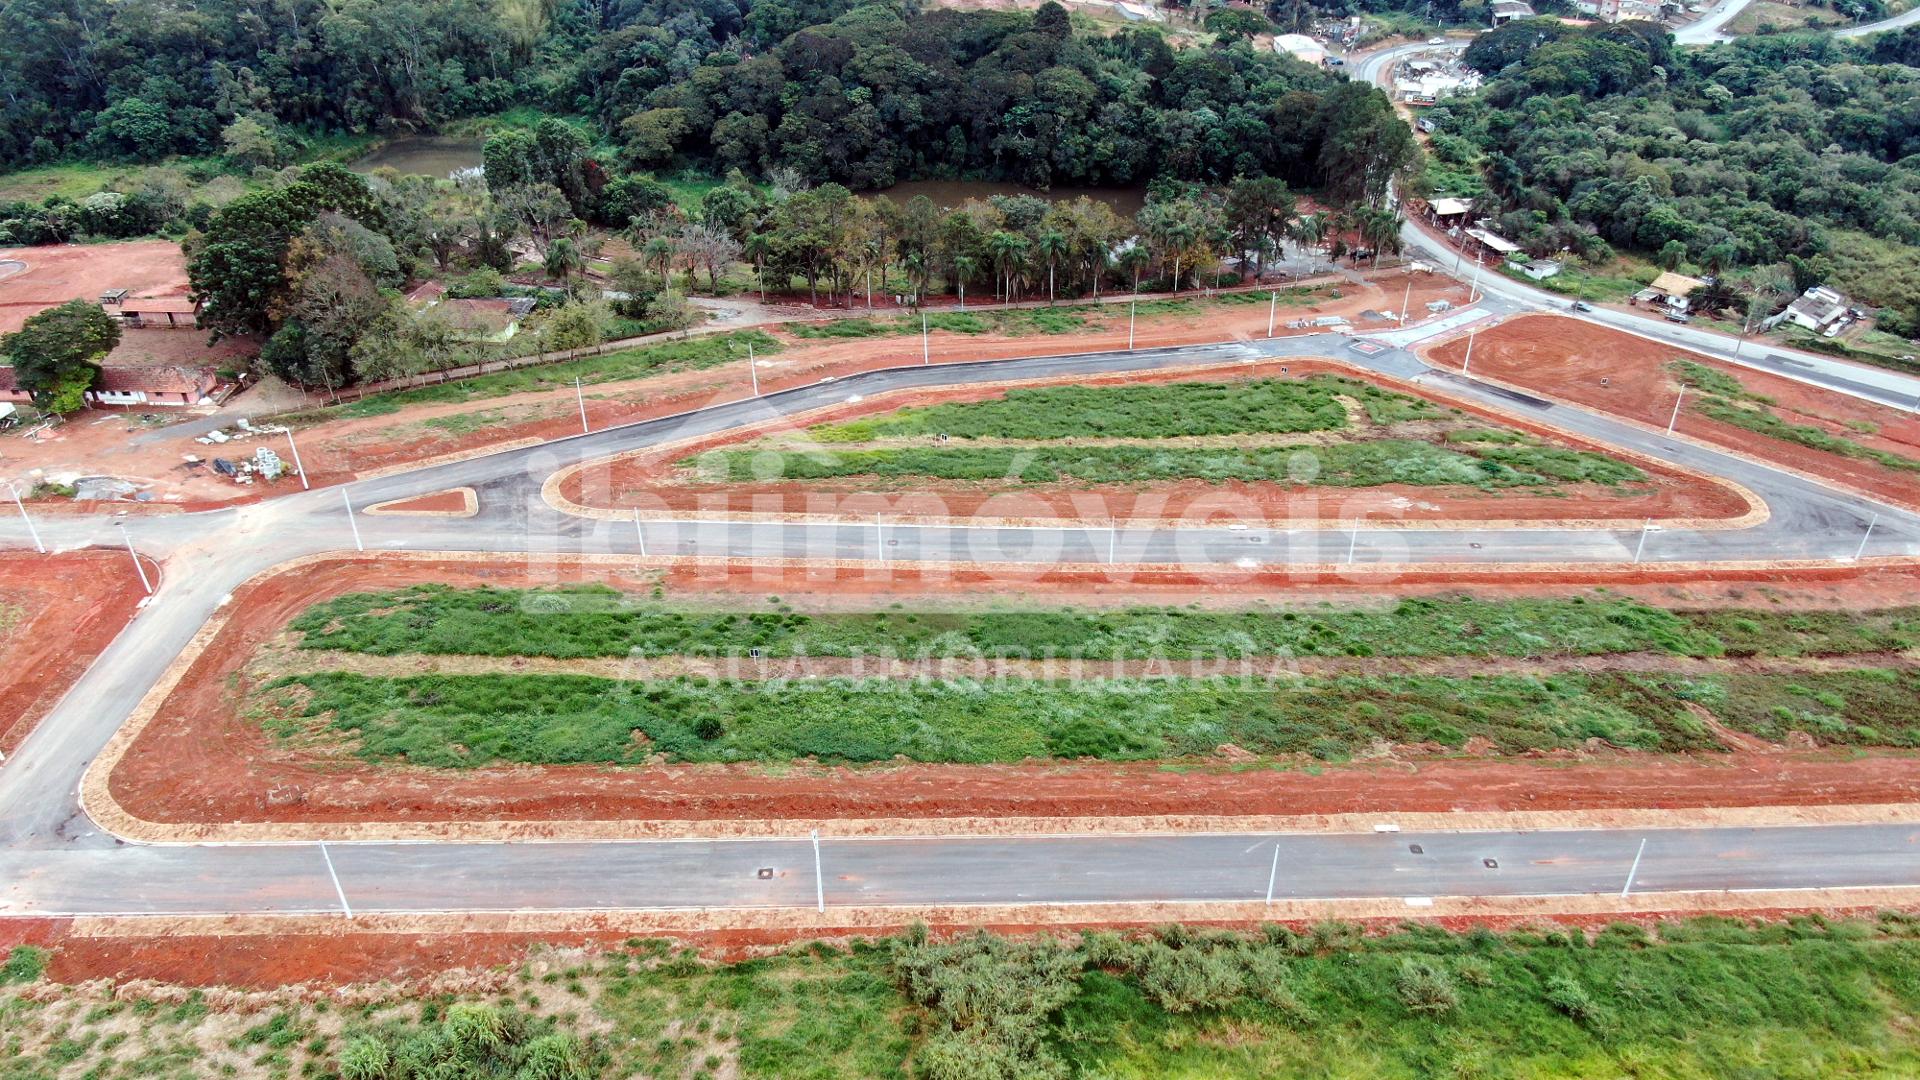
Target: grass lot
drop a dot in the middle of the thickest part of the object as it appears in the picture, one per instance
(1266, 406)
(1704, 999)
(596, 621)
(688, 354)
(453, 721)
(1067, 318)
(1725, 398)
(1356, 464)
(1475, 456)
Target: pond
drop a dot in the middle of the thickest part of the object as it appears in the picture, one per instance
(951, 193)
(423, 155)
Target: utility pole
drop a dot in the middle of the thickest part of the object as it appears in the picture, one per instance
(31, 531)
(1675, 418)
(1407, 299)
(926, 351)
(297, 467)
(139, 569)
(357, 545)
(1468, 364)
(581, 397)
(1862, 549)
(1473, 290)
(753, 369)
(1273, 309)
(1130, 307)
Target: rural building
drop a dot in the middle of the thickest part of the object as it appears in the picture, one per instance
(1819, 309)
(1301, 47)
(488, 319)
(1506, 11)
(152, 312)
(1668, 292)
(1482, 242)
(171, 385)
(1446, 211)
(1538, 269)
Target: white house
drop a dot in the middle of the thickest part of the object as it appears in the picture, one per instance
(1819, 309)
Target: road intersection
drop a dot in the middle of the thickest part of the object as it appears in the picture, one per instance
(54, 860)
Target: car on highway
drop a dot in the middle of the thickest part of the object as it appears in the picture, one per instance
(1436, 41)
(1579, 305)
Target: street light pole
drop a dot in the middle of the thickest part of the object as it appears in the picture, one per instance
(31, 531)
(1675, 418)
(1467, 365)
(1862, 549)
(1406, 300)
(580, 396)
(297, 467)
(354, 525)
(1130, 307)
(926, 350)
(138, 569)
(1473, 289)
(1273, 309)
(753, 370)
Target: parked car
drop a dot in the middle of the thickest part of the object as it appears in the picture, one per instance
(1436, 41)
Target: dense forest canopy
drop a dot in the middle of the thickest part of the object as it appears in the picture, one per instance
(1800, 151)
(864, 96)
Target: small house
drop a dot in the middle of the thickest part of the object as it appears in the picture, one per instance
(1669, 293)
(1506, 11)
(1819, 309)
(172, 385)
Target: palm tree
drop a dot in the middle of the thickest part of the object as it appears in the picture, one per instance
(1007, 250)
(918, 270)
(1097, 257)
(757, 247)
(1309, 230)
(963, 268)
(659, 252)
(1135, 260)
(563, 258)
(1053, 247)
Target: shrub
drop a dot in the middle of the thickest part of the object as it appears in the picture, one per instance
(1185, 980)
(1426, 988)
(24, 964)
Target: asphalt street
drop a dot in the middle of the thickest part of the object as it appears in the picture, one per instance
(53, 859)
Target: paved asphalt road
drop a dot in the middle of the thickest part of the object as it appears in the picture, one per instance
(55, 860)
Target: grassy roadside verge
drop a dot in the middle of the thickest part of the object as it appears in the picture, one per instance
(597, 621)
(1705, 998)
(690, 354)
(1725, 398)
(1067, 318)
(455, 721)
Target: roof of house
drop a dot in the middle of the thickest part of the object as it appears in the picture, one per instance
(1494, 241)
(426, 292)
(1502, 7)
(491, 315)
(160, 305)
(165, 379)
(1451, 207)
(1819, 304)
(1672, 284)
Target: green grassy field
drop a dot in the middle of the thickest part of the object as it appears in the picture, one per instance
(688, 354)
(455, 721)
(1355, 464)
(596, 621)
(1703, 999)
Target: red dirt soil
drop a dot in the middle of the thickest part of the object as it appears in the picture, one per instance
(451, 501)
(198, 762)
(68, 607)
(651, 482)
(1567, 358)
(58, 273)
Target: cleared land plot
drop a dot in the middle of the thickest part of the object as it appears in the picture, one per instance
(206, 756)
(1312, 445)
(1709, 998)
(57, 612)
(1826, 434)
(58, 273)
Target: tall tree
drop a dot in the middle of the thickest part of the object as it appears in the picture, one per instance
(56, 353)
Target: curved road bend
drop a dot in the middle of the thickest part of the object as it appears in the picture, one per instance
(52, 858)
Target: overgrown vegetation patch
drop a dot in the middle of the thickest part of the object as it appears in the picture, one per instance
(1708, 998)
(597, 621)
(1726, 399)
